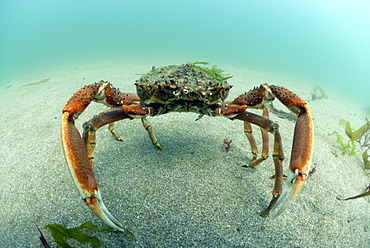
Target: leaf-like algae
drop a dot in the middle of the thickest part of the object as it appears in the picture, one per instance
(362, 137)
(347, 149)
(358, 133)
(61, 234)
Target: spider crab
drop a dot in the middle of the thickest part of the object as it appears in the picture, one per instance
(186, 88)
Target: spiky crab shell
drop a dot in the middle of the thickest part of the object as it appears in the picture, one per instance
(181, 88)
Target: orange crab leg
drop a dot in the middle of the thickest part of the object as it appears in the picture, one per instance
(301, 155)
(82, 173)
(78, 153)
(278, 154)
(302, 148)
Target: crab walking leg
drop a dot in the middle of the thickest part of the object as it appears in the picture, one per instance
(265, 143)
(107, 117)
(278, 154)
(113, 132)
(82, 172)
(248, 132)
(265, 138)
(278, 158)
(149, 128)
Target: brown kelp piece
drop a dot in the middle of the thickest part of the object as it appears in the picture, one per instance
(362, 136)
(356, 196)
(358, 133)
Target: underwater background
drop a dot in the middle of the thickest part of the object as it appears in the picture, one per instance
(324, 43)
(193, 192)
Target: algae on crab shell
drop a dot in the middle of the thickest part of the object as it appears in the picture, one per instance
(214, 72)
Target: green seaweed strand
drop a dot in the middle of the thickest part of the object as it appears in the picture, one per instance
(347, 149)
(214, 72)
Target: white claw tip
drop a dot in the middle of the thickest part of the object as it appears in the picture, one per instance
(287, 195)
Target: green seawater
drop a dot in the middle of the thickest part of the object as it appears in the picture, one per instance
(324, 43)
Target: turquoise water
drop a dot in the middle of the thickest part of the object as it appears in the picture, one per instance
(322, 42)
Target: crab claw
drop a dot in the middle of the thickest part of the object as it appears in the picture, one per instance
(300, 161)
(82, 172)
(291, 189)
(96, 204)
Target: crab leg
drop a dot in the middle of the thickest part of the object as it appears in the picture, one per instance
(278, 154)
(82, 173)
(252, 142)
(301, 156)
(148, 127)
(113, 132)
(78, 153)
(107, 117)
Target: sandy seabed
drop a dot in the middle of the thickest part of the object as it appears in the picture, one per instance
(191, 193)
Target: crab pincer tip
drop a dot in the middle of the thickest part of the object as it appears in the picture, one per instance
(101, 211)
(291, 189)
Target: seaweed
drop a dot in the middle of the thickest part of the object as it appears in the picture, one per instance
(358, 134)
(318, 93)
(228, 145)
(347, 149)
(362, 137)
(214, 72)
(61, 234)
(366, 193)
